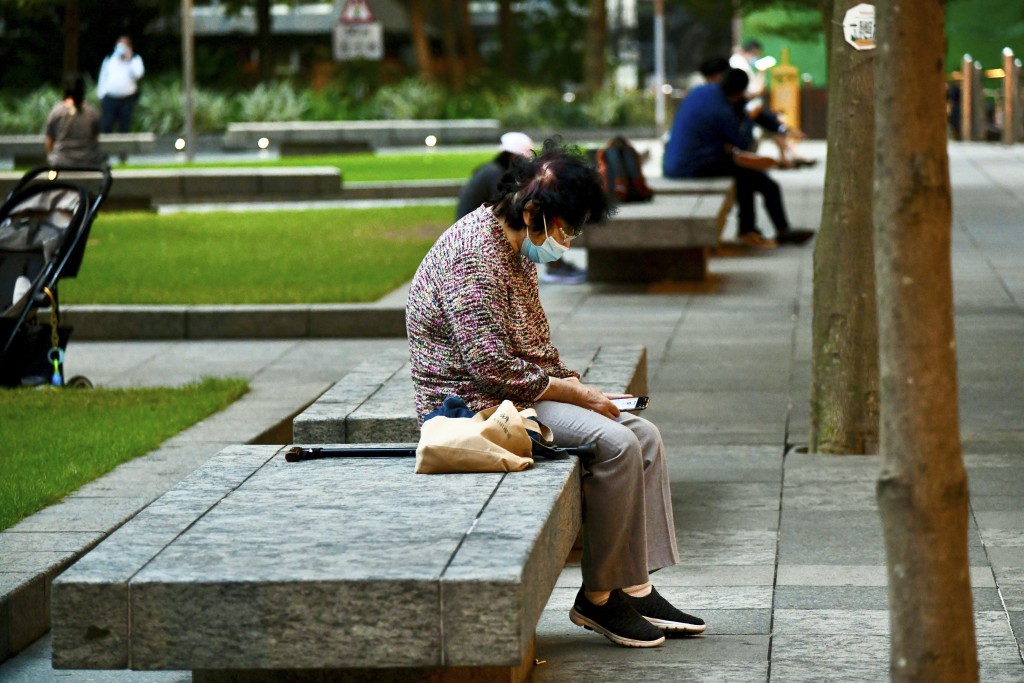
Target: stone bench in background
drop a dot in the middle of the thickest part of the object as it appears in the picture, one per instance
(145, 189)
(319, 137)
(404, 189)
(375, 401)
(667, 238)
(29, 150)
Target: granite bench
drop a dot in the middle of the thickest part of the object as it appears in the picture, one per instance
(28, 150)
(404, 189)
(449, 189)
(145, 189)
(667, 238)
(374, 402)
(254, 568)
(725, 188)
(318, 137)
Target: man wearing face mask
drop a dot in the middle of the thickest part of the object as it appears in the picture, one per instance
(477, 330)
(118, 86)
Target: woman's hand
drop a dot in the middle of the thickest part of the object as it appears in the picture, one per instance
(573, 391)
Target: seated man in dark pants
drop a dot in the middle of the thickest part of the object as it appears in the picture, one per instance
(706, 141)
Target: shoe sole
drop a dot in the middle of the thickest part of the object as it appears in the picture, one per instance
(590, 625)
(676, 626)
(758, 243)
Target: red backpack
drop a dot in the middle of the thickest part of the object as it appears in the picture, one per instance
(621, 169)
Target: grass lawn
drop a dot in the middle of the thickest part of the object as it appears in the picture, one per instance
(277, 257)
(56, 440)
(370, 167)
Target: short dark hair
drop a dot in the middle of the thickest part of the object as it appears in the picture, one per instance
(735, 81)
(751, 44)
(560, 182)
(713, 67)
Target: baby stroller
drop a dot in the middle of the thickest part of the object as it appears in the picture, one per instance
(44, 225)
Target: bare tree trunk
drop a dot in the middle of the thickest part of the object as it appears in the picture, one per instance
(844, 365)
(450, 41)
(469, 48)
(263, 30)
(72, 30)
(922, 488)
(507, 32)
(593, 51)
(417, 23)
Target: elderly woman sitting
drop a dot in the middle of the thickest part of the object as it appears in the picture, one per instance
(477, 330)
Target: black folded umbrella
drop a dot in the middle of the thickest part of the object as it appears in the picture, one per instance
(540, 450)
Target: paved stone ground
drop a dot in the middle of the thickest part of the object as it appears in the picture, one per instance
(782, 552)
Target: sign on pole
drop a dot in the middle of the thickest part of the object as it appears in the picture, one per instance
(358, 35)
(859, 26)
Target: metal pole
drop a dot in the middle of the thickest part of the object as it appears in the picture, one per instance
(659, 67)
(1009, 96)
(966, 97)
(1018, 109)
(979, 121)
(188, 78)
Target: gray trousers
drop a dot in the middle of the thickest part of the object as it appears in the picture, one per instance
(628, 530)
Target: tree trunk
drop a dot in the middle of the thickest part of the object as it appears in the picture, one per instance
(507, 33)
(263, 30)
(450, 40)
(594, 48)
(469, 48)
(417, 23)
(844, 365)
(922, 488)
(72, 29)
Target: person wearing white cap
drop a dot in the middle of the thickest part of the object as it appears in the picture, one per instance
(483, 185)
(484, 181)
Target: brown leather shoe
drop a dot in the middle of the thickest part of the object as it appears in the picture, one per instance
(756, 240)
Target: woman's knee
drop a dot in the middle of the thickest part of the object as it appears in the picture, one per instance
(618, 441)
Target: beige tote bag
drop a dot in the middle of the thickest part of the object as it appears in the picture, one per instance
(494, 440)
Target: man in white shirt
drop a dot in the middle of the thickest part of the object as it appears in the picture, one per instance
(743, 58)
(118, 86)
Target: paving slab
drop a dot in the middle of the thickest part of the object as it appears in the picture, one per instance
(729, 369)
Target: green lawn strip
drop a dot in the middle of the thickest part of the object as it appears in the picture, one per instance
(56, 440)
(273, 257)
(364, 167)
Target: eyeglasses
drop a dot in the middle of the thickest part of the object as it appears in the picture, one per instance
(568, 232)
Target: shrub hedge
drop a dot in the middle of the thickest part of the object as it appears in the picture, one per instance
(517, 106)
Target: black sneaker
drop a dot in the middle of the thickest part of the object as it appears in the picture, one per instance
(660, 612)
(616, 620)
(794, 236)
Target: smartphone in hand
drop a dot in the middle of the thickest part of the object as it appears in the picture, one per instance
(631, 403)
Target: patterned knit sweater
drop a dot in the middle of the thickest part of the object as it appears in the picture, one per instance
(476, 326)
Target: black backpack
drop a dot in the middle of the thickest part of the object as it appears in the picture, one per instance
(621, 170)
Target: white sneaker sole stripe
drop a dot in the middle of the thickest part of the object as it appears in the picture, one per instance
(581, 620)
(675, 626)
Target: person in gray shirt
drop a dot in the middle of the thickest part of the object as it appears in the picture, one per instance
(73, 129)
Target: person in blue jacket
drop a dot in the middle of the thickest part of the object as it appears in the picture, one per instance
(706, 140)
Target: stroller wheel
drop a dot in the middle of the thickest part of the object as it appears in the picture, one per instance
(78, 382)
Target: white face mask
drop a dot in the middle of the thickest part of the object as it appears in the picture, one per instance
(550, 250)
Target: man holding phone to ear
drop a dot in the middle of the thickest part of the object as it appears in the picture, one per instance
(118, 86)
